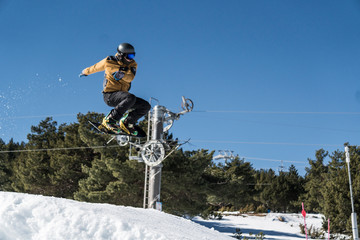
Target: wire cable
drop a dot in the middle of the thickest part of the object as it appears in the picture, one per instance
(111, 146)
(55, 149)
(270, 160)
(39, 116)
(208, 141)
(97, 147)
(276, 112)
(268, 143)
(203, 111)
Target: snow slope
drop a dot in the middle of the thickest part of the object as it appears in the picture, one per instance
(35, 217)
(25, 216)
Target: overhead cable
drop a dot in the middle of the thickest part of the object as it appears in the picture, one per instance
(268, 143)
(277, 112)
(55, 149)
(97, 147)
(271, 160)
(202, 111)
(39, 116)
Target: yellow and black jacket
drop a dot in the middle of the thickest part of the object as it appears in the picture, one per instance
(111, 66)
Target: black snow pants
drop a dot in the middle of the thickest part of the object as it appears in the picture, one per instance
(124, 101)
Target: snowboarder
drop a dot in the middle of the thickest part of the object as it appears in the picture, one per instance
(120, 71)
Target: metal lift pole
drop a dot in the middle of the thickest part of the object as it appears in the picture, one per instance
(353, 213)
(153, 151)
(155, 171)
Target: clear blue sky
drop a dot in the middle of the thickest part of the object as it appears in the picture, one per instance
(256, 70)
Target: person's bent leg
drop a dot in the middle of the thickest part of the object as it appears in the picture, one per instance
(141, 107)
(121, 101)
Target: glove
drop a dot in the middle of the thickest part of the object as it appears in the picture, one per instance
(82, 74)
(118, 75)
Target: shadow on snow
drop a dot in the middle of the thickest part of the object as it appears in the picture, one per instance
(221, 227)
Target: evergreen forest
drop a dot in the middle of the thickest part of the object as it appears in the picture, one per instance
(68, 161)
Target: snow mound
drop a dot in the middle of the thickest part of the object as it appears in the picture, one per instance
(25, 216)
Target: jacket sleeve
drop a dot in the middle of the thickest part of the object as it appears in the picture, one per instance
(97, 67)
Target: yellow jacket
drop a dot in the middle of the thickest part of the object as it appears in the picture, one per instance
(111, 65)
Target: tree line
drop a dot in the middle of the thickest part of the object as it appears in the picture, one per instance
(66, 161)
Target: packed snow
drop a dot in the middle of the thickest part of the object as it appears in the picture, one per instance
(26, 216)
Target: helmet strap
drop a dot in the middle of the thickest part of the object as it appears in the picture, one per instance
(118, 56)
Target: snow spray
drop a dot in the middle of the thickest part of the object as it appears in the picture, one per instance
(304, 214)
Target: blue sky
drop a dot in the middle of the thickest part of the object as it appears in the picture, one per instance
(270, 79)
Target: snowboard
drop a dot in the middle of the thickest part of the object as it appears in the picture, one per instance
(100, 128)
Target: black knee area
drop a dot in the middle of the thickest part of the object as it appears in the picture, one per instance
(147, 106)
(130, 100)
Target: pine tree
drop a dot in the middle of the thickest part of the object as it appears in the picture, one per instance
(111, 177)
(280, 187)
(264, 192)
(314, 180)
(184, 189)
(5, 164)
(336, 203)
(231, 183)
(32, 169)
(335, 194)
(279, 192)
(296, 183)
(67, 164)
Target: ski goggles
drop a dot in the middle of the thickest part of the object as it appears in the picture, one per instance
(130, 56)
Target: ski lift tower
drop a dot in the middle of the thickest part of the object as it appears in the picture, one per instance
(153, 152)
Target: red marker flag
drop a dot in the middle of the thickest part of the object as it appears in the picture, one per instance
(304, 214)
(303, 211)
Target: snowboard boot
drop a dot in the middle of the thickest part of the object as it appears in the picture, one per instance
(110, 124)
(127, 127)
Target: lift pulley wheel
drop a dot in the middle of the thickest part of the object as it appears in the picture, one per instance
(153, 152)
(187, 105)
(122, 140)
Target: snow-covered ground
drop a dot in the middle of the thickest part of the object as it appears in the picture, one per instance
(270, 224)
(25, 216)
